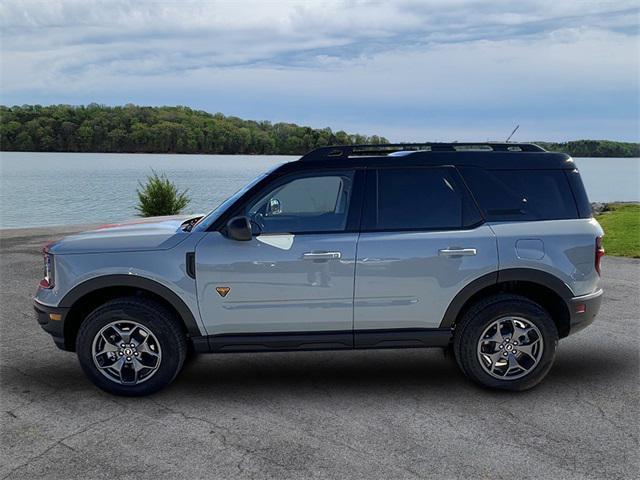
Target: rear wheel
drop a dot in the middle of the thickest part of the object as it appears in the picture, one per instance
(506, 342)
(131, 346)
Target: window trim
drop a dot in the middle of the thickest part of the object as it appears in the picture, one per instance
(355, 202)
(371, 198)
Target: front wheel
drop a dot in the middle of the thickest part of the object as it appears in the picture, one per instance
(131, 346)
(506, 342)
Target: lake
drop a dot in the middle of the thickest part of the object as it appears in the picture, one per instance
(41, 189)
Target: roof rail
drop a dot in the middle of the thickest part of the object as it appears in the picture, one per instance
(346, 151)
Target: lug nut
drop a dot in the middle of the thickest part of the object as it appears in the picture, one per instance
(120, 353)
(505, 354)
(128, 359)
(500, 346)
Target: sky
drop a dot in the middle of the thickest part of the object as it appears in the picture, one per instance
(409, 70)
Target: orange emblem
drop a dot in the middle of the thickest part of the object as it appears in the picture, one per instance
(222, 291)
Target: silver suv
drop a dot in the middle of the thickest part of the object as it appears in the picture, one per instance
(489, 250)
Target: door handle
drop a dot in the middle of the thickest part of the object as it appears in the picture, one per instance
(456, 252)
(321, 255)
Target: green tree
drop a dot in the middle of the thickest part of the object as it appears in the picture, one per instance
(159, 196)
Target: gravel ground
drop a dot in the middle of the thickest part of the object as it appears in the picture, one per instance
(363, 414)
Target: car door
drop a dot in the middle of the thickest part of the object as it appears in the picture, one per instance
(422, 241)
(296, 274)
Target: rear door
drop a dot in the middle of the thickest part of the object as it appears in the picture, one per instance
(422, 241)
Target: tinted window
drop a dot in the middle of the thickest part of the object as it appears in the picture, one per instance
(420, 199)
(521, 195)
(579, 193)
(317, 203)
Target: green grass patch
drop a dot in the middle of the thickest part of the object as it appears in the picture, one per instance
(621, 224)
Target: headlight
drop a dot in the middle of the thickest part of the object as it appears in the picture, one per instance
(47, 280)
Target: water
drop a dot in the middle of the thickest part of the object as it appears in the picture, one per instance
(39, 189)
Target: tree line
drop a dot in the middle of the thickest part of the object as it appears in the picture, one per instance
(136, 129)
(594, 148)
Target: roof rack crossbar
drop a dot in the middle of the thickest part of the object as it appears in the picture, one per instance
(345, 151)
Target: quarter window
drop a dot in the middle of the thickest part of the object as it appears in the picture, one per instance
(521, 195)
(317, 203)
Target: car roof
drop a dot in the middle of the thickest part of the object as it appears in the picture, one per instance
(493, 156)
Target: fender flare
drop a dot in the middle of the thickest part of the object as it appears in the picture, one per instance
(530, 275)
(134, 281)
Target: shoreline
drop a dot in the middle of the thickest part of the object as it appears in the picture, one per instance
(600, 207)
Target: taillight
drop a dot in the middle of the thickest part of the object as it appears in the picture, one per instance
(599, 253)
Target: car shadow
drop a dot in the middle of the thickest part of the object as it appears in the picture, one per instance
(368, 372)
(379, 371)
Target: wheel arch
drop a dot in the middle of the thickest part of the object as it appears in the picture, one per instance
(540, 286)
(88, 295)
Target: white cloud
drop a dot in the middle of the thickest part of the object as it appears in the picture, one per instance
(326, 62)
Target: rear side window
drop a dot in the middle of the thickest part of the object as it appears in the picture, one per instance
(417, 199)
(521, 195)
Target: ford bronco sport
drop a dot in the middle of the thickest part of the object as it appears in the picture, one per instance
(489, 250)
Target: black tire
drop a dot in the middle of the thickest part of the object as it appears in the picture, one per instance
(161, 322)
(480, 316)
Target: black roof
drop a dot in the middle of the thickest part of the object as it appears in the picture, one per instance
(516, 156)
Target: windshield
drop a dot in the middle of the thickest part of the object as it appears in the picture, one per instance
(214, 214)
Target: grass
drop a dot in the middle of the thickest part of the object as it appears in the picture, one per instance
(621, 224)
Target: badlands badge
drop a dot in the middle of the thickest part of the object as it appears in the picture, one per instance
(223, 291)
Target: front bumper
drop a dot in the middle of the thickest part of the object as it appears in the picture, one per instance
(51, 319)
(584, 310)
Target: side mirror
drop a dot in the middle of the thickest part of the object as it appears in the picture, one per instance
(239, 228)
(275, 208)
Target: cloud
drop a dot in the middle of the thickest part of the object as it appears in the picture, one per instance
(378, 66)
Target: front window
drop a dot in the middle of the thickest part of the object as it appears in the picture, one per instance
(311, 203)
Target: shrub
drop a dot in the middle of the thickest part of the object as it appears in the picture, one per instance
(159, 196)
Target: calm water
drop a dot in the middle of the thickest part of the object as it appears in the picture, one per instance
(38, 189)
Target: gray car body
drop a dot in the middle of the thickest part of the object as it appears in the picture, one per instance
(385, 280)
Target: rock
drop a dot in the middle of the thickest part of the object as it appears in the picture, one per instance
(598, 207)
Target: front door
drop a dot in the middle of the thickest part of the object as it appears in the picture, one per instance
(296, 275)
(422, 241)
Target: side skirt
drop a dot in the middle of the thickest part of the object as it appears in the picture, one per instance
(403, 338)
(309, 341)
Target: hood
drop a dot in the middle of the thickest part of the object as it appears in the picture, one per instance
(157, 233)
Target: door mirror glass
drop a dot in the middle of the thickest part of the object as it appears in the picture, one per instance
(239, 228)
(275, 208)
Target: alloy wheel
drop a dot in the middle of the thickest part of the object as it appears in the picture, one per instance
(126, 352)
(510, 348)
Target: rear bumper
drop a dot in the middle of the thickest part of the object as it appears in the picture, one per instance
(51, 319)
(583, 310)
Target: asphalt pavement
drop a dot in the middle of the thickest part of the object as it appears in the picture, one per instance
(381, 414)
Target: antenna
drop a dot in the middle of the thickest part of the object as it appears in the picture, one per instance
(514, 131)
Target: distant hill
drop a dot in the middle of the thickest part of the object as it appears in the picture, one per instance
(594, 148)
(136, 129)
